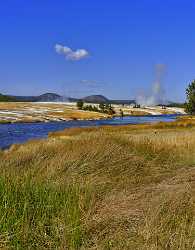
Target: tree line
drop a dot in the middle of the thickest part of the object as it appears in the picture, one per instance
(190, 98)
(102, 108)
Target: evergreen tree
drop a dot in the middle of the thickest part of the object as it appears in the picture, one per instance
(190, 98)
(80, 104)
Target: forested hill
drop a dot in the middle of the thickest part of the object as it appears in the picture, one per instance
(5, 98)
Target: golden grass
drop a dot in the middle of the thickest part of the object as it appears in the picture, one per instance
(22, 105)
(78, 114)
(137, 186)
(180, 123)
(136, 112)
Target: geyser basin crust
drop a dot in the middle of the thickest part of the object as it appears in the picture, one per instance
(44, 112)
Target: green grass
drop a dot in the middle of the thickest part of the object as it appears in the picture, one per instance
(4, 122)
(128, 187)
(39, 216)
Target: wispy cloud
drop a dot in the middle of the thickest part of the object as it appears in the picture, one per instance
(69, 54)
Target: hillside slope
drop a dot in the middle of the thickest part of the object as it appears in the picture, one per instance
(53, 97)
(95, 99)
(4, 98)
(47, 97)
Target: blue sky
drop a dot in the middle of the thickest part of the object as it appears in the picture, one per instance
(124, 40)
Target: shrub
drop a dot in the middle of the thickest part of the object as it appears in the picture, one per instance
(80, 104)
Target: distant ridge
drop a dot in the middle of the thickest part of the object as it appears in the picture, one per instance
(5, 98)
(53, 97)
(95, 99)
(47, 97)
(101, 99)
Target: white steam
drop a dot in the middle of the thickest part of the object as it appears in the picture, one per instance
(157, 95)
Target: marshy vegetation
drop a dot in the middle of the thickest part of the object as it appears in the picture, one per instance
(124, 187)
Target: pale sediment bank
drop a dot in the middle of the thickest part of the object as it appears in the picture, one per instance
(55, 112)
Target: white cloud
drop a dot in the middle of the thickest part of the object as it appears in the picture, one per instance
(70, 54)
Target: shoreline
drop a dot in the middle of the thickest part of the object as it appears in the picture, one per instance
(2, 122)
(52, 120)
(41, 133)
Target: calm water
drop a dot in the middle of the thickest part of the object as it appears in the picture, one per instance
(22, 132)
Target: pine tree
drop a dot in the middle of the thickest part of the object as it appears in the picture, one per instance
(190, 96)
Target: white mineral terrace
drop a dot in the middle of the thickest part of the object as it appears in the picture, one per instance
(59, 111)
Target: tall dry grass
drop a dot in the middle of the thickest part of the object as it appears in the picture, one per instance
(128, 187)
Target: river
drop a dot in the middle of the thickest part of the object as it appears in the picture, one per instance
(22, 132)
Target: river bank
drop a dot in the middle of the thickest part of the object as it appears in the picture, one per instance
(22, 132)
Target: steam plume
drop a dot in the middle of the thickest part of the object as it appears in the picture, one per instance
(157, 95)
